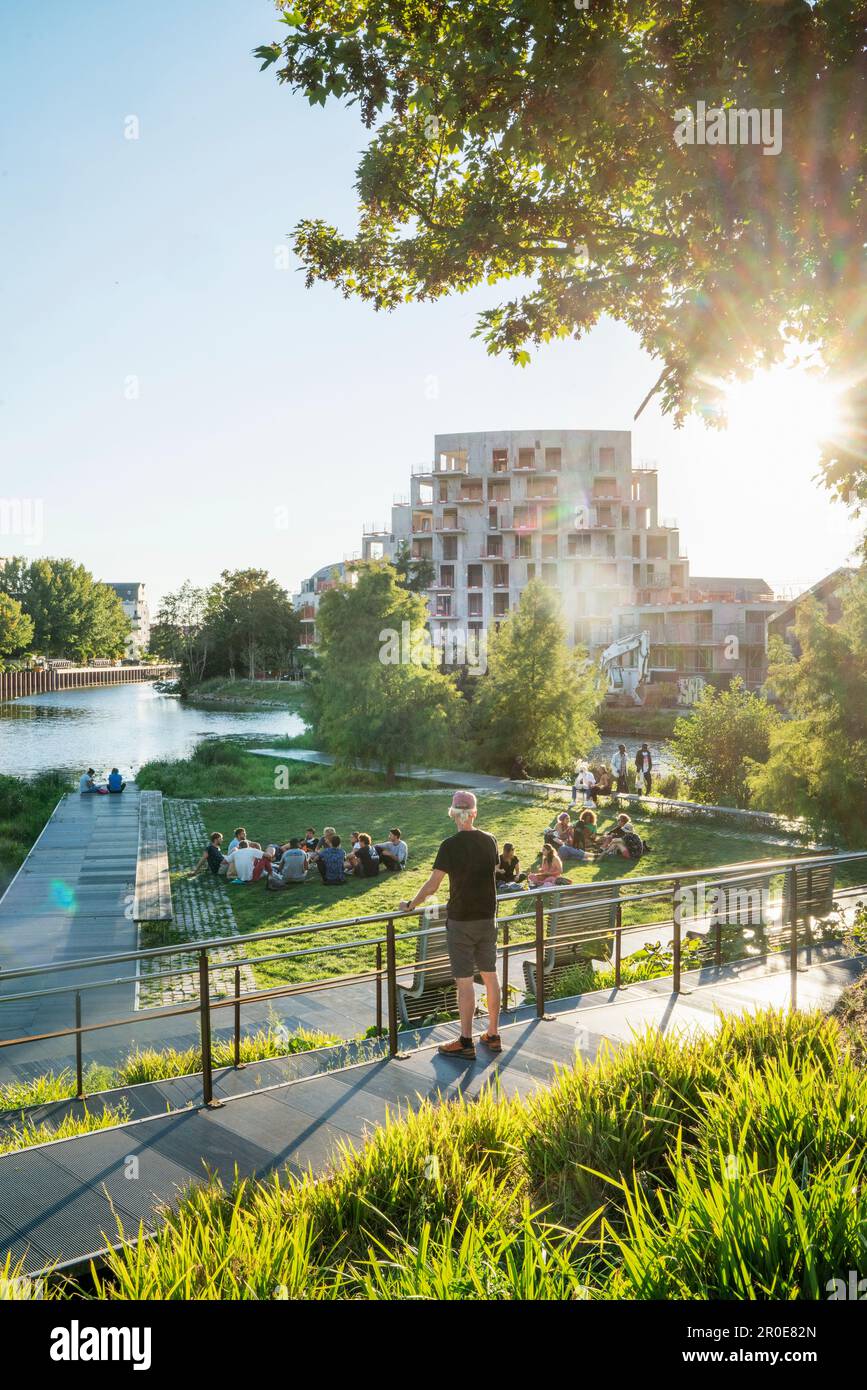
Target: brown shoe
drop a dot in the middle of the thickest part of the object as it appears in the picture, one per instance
(492, 1041)
(457, 1049)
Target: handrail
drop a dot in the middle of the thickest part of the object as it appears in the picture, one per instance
(799, 911)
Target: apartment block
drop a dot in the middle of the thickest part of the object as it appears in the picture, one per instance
(133, 598)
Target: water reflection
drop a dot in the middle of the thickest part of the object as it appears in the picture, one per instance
(121, 725)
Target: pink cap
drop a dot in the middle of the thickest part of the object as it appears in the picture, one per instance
(464, 801)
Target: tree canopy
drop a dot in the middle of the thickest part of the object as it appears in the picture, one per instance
(535, 140)
(16, 628)
(715, 746)
(377, 697)
(538, 698)
(72, 615)
(818, 757)
(244, 619)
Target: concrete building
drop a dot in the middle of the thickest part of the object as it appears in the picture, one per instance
(827, 591)
(306, 600)
(497, 509)
(135, 606)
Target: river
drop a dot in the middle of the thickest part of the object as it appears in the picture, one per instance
(127, 725)
(117, 725)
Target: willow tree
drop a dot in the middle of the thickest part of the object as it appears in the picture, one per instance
(544, 140)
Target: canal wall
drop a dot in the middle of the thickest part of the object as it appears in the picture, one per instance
(14, 684)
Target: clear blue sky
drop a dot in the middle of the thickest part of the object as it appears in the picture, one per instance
(155, 259)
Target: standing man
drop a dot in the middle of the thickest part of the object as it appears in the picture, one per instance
(644, 766)
(620, 766)
(469, 858)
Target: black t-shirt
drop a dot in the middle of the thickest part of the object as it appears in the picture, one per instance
(215, 858)
(469, 858)
(368, 860)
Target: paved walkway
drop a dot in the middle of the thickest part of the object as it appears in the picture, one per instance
(71, 898)
(62, 1201)
(479, 781)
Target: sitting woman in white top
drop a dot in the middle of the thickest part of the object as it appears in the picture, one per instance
(394, 852)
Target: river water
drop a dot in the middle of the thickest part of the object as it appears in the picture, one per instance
(127, 725)
(117, 726)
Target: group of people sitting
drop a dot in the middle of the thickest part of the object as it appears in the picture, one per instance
(300, 859)
(566, 840)
(87, 783)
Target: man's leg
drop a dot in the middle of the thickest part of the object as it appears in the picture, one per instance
(491, 982)
(466, 1004)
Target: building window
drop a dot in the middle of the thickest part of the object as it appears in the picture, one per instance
(447, 576)
(578, 543)
(553, 458)
(474, 605)
(531, 571)
(501, 576)
(474, 576)
(523, 547)
(495, 546)
(549, 575)
(450, 547)
(500, 461)
(526, 458)
(501, 605)
(549, 547)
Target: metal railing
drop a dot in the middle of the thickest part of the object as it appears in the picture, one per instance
(533, 931)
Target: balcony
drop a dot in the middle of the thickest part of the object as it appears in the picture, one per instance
(370, 529)
(450, 527)
(470, 497)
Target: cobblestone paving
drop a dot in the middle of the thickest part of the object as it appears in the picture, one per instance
(201, 910)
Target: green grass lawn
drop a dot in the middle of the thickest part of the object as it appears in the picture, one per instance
(422, 818)
(223, 767)
(289, 694)
(25, 805)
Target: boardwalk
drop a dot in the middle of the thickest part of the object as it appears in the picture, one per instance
(62, 1201)
(71, 898)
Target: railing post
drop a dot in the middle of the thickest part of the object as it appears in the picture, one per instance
(676, 912)
(79, 1069)
(808, 917)
(237, 1057)
(205, 1028)
(540, 957)
(391, 973)
(379, 989)
(793, 939)
(505, 963)
(618, 945)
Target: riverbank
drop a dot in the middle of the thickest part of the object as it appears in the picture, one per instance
(616, 722)
(241, 694)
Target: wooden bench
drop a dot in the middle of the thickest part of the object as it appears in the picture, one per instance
(433, 990)
(153, 892)
(585, 908)
(814, 888)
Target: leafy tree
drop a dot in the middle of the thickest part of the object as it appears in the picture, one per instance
(372, 701)
(180, 632)
(251, 621)
(715, 746)
(413, 573)
(538, 698)
(16, 628)
(816, 767)
(73, 616)
(520, 139)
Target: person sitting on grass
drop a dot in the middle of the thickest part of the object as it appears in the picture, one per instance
(564, 841)
(584, 833)
(394, 852)
(364, 860)
(331, 861)
(115, 781)
(239, 836)
(623, 840)
(213, 856)
(265, 863)
(242, 862)
(292, 867)
(311, 840)
(549, 871)
(509, 880)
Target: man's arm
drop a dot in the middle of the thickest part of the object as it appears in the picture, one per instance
(427, 890)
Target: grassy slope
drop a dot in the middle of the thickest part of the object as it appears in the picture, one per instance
(219, 769)
(287, 694)
(423, 820)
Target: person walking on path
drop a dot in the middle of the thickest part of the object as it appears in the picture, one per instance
(644, 767)
(469, 858)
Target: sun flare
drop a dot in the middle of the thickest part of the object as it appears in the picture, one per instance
(791, 408)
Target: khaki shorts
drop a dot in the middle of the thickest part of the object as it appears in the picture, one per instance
(472, 946)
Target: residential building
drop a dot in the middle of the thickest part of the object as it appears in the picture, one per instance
(827, 591)
(135, 605)
(306, 600)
